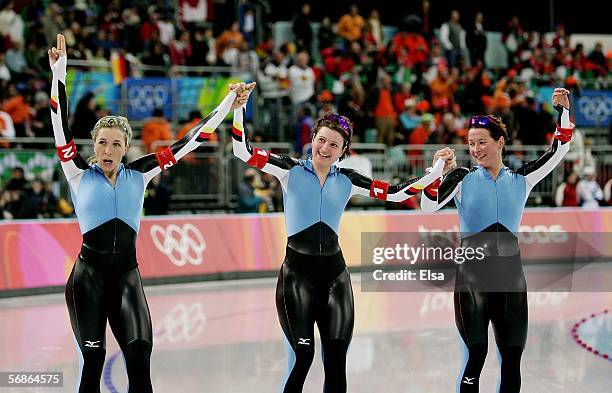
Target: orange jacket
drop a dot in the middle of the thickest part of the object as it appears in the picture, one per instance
(155, 129)
(349, 27)
(18, 108)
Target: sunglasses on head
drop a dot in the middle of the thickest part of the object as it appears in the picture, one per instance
(342, 121)
(481, 121)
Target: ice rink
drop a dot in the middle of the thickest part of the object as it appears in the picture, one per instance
(225, 337)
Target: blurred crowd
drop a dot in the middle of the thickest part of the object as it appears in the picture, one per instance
(21, 198)
(413, 87)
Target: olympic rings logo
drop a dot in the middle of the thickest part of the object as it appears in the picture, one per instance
(145, 98)
(595, 108)
(183, 323)
(181, 245)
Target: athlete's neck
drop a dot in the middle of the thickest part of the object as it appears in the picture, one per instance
(494, 170)
(111, 176)
(321, 171)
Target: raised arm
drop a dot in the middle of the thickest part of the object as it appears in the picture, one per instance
(378, 189)
(72, 163)
(152, 164)
(276, 165)
(536, 170)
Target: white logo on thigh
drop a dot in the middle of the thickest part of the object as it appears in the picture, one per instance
(183, 323)
(92, 344)
(468, 380)
(181, 245)
(303, 341)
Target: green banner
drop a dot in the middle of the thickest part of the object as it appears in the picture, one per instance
(34, 163)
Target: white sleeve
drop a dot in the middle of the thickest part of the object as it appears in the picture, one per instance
(276, 165)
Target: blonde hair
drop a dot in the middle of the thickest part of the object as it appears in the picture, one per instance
(118, 122)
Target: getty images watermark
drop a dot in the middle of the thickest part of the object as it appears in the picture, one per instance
(407, 254)
(486, 261)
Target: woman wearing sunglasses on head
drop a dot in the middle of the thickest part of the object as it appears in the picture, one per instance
(490, 199)
(313, 284)
(108, 196)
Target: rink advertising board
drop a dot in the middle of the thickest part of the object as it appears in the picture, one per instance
(35, 254)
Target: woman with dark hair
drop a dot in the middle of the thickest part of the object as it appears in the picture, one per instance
(314, 284)
(84, 116)
(108, 196)
(490, 199)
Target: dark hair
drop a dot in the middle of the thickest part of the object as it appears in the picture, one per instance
(494, 125)
(195, 114)
(338, 123)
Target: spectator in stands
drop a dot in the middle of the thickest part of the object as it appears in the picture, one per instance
(11, 24)
(7, 129)
(302, 30)
(400, 97)
(180, 50)
(452, 37)
(376, 28)
(17, 181)
(18, 108)
(567, 193)
(167, 32)
(275, 74)
(85, 117)
(326, 35)
(409, 45)
(598, 59)
(350, 26)
(17, 64)
(589, 191)
(248, 202)
(304, 131)
(10, 204)
(419, 136)
(301, 80)
(515, 158)
(531, 125)
(380, 104)
(442, 90)
(228, 44)
(156, 58)
(409, 118)
(201, 46)
(271, 188)
(5, 73)
(476, 40)
(445, 132)
(41, 116)
(156, 129)
(157, 197)
(351, 104)
(39, 202)
(560, 39)
(52, 21)
(512, 38)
